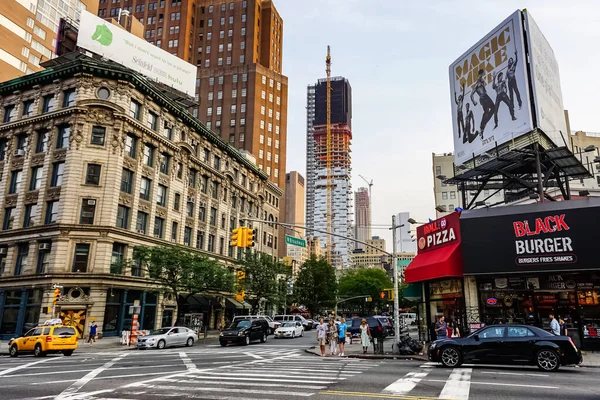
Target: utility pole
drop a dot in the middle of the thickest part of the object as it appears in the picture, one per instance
(395, 269)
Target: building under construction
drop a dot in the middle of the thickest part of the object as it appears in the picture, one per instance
(332, 189)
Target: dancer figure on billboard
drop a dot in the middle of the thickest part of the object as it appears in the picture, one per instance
(512, 81)
(469, 135)
(459, 113)
(499, 86)
(486, 102)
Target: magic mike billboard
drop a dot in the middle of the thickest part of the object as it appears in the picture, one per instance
(540, 237)
(489, 88)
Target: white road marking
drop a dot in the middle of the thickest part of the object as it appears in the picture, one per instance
(513, 373)
(187, 362)
(105, 377)
(86, 370)
(75, 387)
(457, 385)
(22, 366)
(223, 390)
(501, 384)
(252, 384)
(405, 384)
(317, 381)
(254, 355)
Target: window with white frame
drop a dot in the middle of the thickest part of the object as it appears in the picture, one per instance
(262, 110)
(262, 139)
(233, 108)
(262, 124)
(260, 153)
(263, 95)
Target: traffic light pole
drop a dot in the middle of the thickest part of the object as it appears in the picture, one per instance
(395, 269)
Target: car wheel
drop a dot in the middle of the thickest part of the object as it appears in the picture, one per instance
(263, 339)
(451, 357)
(223, 344)
(547, 360)
(190, 342)
(161, 344)
(293, 335)
(14, 350)
(247, 340)
(68, 353)
(37, 351)
(301, 333)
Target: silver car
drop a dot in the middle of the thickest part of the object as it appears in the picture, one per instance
(167, 337)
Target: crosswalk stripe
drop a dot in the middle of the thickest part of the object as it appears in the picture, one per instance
(257, 384)
(406, 383)
(234, 374)
(222, 390)
(458, 385)
(240, 378)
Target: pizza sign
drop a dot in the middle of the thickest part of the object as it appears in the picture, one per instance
(438, 233)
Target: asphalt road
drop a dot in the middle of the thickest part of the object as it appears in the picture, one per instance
(278, 369)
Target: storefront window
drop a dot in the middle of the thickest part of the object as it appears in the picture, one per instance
(446, 299)
(111, 314)
(149, 317)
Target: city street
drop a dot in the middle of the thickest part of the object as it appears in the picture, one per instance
(278, 369)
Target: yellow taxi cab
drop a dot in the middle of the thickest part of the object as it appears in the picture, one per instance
(52, 337)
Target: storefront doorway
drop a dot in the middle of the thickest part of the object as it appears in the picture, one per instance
(446, 298)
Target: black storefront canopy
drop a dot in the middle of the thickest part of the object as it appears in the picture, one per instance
(532, 238)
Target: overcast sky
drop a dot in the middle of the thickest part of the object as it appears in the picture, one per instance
(396, 54)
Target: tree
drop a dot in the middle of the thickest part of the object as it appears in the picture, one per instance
(365, 281)
(316, 285)
(261, 280)
(183, 272)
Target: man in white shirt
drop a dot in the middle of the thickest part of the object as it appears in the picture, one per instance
(554, 325)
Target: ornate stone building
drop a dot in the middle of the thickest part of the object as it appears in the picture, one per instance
(95, 159)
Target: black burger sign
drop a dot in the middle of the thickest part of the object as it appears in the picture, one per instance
(551, 236)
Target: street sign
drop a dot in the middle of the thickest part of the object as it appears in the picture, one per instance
(294, 241)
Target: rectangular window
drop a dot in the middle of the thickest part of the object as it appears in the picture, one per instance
(62, 141)
(8, 218)
(211, 243)
(192, 177)
(217, 163)
(117, 257)
(134, 109)
(98, 134)
(202, 213)
(174, 231)
(164, 163)
(152, 122)
(453, 195)
(145, 188)
(122, 217)
(177, 202)
(179, 170)
(444, 195)
(161, 195)
(213, 216)
(15, 181)
(3, 147)
(130, 145)
(69, 98)
(199, 239)
(51, 212)
(80, 258)
(190, 208)
(141, 224)
(35, 181)
(41, 145)
(215, 189)
(28, 108)
(21, 144)
(187, 236)
(92, 176)
(9, 113)
(127, 181)
(22, 256)
(43, 262)
(221, 245)
(159, 225)
(204, 184)
(88, 211)
(148, 155)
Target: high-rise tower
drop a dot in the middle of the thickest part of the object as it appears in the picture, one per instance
(362, 216)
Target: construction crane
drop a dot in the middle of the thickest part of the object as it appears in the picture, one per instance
(328, 158)
(370, 183)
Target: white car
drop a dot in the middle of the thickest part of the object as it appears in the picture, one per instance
(167, 337)
(289, 329)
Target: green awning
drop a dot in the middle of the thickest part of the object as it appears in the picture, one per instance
(413, 291)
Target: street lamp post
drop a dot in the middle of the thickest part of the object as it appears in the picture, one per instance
(395, 269)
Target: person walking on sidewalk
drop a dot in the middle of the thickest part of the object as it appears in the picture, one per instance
(321, 335)
(554, 325)
(441, 328)
(332, 335)
(93, 331)
(365, 336)
(342, 327)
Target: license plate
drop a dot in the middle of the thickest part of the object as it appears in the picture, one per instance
(229, 341)
(281, 334)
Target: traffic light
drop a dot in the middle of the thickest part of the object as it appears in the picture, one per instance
(238, 237)
(387, 294)
(249, 236)
(56, 295)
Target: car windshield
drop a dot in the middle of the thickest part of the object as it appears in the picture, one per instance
(289, 324)
(162, 331)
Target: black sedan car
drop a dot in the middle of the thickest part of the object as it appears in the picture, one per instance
(244, 331)
(507, 344)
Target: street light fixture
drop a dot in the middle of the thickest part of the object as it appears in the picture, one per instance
(440, 209)
(589, 148)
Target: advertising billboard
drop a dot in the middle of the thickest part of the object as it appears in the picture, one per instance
(545, 79)
(490, 91)
(531, 238)
(116, 44)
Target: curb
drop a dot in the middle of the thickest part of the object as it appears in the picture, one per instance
(375, 356)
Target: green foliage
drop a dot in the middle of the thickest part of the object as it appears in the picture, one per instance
(262, 272)
(365, 281)
(316, 286)
(182, 271)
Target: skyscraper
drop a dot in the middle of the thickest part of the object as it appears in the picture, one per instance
(362, 216)
(340, 212)
(28, 32)
(311, 161)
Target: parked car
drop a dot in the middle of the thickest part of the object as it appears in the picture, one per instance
(307, 324)
(45, 339)
(272, 323)
(507, 344)
(290, 329)
(387, 324)
(408, 318)
(167, 337)
(244, 331)
(375, 326)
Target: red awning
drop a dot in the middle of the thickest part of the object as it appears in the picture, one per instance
(445, 262)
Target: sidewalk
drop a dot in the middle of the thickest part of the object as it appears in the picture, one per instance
(107, 344)
(355, 350)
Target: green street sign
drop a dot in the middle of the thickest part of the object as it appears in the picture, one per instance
(294, 241)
